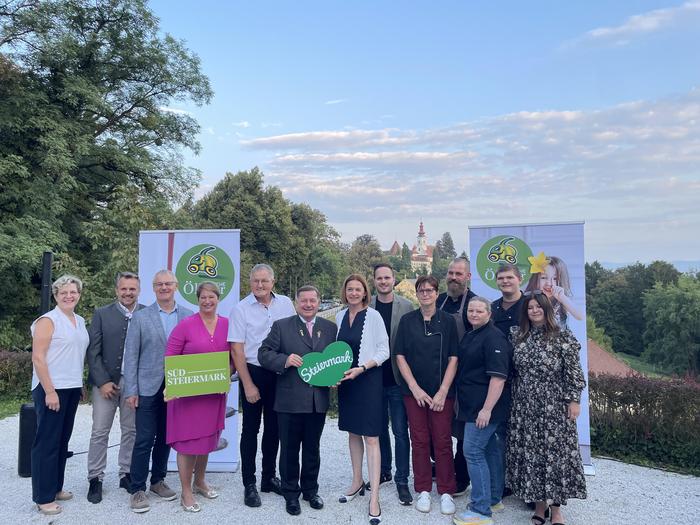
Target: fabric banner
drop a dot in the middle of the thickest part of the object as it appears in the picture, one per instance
(196, 256)
(558, 249)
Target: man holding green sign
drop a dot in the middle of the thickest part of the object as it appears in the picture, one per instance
(293, 343)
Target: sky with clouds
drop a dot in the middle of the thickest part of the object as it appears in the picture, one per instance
(381, 114)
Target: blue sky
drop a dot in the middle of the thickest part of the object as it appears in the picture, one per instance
(460, 113)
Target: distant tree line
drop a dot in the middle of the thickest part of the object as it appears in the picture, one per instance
(651, 311)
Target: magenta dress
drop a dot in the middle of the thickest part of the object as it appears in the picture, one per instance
(194, 424)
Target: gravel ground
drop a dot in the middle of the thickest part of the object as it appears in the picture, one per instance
(619, 493)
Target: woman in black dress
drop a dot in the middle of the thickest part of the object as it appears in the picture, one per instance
(360, 391)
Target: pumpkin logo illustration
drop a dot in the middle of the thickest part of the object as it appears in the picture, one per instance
(503, 251)
(203, 262)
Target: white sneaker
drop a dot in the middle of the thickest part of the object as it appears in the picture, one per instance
(447, 504)
(423, 502)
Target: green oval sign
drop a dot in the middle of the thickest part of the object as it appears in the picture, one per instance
(326, 368)
(204, 262)
(500, 250)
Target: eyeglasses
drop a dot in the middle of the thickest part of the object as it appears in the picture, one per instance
(530, 293)
(426, 291)
(166, 283)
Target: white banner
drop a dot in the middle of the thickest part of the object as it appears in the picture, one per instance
(562, 245)
(196, 256)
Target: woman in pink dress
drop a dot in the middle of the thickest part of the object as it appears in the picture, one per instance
(194, 424)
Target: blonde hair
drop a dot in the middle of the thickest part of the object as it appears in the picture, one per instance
(64, 280)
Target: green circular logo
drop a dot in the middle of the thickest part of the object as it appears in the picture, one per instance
(204, 262)
(499, 250)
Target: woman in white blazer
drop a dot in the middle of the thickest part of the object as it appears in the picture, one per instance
(360, 391)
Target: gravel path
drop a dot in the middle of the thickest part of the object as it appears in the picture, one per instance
(619, 493)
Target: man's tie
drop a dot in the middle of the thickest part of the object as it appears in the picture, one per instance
(310, 328)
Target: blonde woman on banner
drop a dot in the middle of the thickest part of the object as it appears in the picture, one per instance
(551, 276)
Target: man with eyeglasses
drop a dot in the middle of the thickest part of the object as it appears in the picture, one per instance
(392, 307)
(144, 383)
(251, 320)
(106, 368)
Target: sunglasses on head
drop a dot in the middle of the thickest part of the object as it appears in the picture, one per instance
(531, 293)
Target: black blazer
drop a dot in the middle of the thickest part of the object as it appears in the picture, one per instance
(289, 336)
(107, 335)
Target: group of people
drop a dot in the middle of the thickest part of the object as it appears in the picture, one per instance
(503, 378)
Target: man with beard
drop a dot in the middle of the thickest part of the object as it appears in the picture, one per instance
(454, 301)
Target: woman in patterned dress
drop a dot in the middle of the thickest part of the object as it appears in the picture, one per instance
(544, 462)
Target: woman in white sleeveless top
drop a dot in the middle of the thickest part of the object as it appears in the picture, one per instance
(59, 342)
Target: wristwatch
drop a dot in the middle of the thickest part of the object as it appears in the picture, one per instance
(364, 368)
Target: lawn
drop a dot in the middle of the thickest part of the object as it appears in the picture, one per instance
(643, 367)
(9, 406)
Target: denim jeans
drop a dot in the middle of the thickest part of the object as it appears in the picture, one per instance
(149, 442)
(484, 449)
(392, 406)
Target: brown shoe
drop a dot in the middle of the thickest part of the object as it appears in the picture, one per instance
(162, 489)
(139, 502)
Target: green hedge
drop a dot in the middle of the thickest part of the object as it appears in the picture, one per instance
(649, 421)
(15, 373)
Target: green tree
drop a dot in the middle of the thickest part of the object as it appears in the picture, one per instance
(85, 123)
(364, 253)
(595, 274)
(598, 334)
(447, 246)
(672, 333)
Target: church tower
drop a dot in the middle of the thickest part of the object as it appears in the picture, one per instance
(422, 241)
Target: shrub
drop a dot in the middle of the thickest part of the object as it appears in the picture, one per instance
(15, 373)
(652, 421)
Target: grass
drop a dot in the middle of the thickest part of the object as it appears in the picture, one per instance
(9, 406)
(638, 364)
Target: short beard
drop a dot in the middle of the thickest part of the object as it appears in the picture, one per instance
(456, 293)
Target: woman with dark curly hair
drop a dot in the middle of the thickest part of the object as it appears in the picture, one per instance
(544, 463)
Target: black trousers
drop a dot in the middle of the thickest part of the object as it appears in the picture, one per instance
(50, 448)
(253, 414)
(300, 430)
(149, 443)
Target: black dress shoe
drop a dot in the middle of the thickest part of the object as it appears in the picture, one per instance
(293, 507)
(251, 497)
(405, 497)
(94, 494)
(315, 501)
(125, 482)
(271, 485)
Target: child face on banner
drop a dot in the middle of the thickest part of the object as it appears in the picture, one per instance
(548, 280)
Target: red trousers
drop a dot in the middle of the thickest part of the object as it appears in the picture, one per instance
(425, 426)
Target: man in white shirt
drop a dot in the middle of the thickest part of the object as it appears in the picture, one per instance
(251, 320)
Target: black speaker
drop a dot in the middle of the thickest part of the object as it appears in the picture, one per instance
(27, 433)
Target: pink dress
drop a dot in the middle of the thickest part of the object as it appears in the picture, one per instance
(194, 424)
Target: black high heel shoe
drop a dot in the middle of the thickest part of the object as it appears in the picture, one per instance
(374, 520)
(347, 498)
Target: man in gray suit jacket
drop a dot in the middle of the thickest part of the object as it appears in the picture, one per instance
(144, 382)
(105, 363)
(392, 307)
(301, 408)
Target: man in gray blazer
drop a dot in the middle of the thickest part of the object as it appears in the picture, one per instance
(105, 363)
(301, 408)
(144, 382)
(392, 307)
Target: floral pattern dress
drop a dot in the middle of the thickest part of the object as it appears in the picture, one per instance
(543, 458)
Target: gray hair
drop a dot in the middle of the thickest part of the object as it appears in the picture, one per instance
(482, 300)
(260, 267)
(167, 272)
(125, 275)
(64, 280)
(307, 288)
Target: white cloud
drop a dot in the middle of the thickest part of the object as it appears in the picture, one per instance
(644, 23)
(176, 111)
(335, 101)
(630, 166)
(242, 124)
